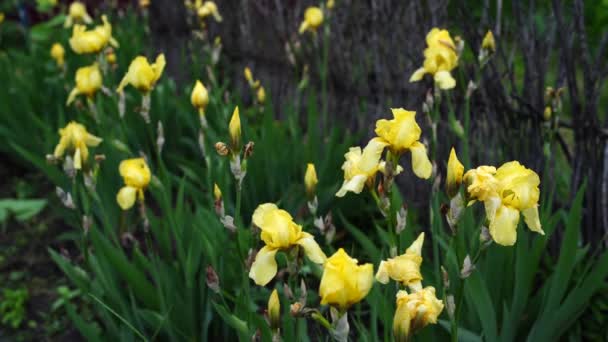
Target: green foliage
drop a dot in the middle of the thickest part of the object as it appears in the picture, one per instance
(12, 307)
(145, 274)
(22, 209)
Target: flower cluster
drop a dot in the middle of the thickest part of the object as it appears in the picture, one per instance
(399, 135)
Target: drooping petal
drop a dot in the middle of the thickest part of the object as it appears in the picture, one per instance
(92, 140)
(365, 280)
(264, 268)
(503, 228)
(445, 80)
(60, 148)
(532, 220)
(418, 75)
(492, 204)
(402, 319)
(77, 159)
(420, 161)
(355, 185)
(370, 157)
(382, 275)
(72, 96)
(126, 197)
(311, 248)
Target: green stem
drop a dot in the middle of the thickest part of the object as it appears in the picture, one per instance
(325, 73)
(324, 322)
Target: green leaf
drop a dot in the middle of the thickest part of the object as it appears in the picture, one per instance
(23, 209)
(233, 321)
(480, 297)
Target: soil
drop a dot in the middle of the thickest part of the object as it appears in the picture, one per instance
(25, 262)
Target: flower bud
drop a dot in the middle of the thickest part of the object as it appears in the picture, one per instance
(222, 149)
(199, 97)
(295, 309)
(213, 281)
(248, 152)
(547, 113)
(401, 220)
(310, 180)
(274, 310)
(261, 95)
(58, 54)
(234, 128)
(248, 75)
(467, 267)
(454, 177)
(217, 193)
(488, 42)
(111, 58)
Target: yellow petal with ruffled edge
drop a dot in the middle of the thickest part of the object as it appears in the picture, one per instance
(126, 197)
(402, 319)
(264, 267)
(354, 184)
(311, 248)
(420, 161)
(503, 228)
(370, 158)
(418, 75)
(532, 220)
(365, 280)
(445, 80)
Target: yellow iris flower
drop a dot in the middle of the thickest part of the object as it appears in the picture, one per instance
(404, 268)
(415, 311)
(77, 13)
(279, 232)
(88, 82)
(313, 18)
(361, 166)
(143, 75)
(506, 192)
(74, 137)
(1, 17)
(199, 97)
(209, 8)
(93, 41)
(455, 172)
(345, 283)
(440, 57)
(402, 133)
(136, 176)
(58, 54)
